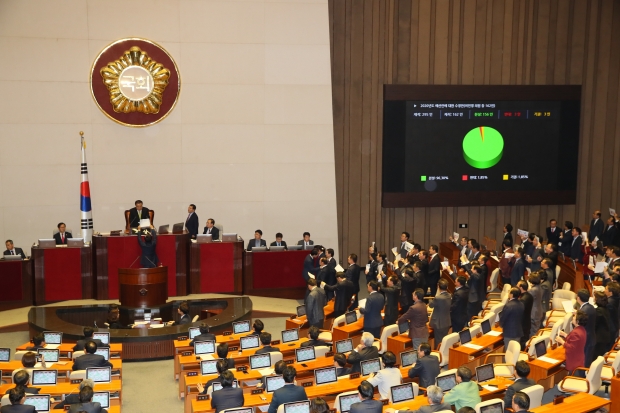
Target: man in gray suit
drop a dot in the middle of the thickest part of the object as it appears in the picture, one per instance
(306, 241)
(522, 370)
(417, 317)
(314, 304)
(434, 394)
(440, 319)
(426, 366)
(537, 308)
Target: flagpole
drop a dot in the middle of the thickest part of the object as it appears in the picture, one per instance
(86, 219)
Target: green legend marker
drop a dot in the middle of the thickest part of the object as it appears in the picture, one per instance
(423, 178)
(483, 147)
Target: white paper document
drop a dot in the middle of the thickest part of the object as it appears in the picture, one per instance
(445, 265)
(455, 236)
(474, 346)
(489, 388)
(408, 246)
(523, 233)
(395, 251)
(568, 306)
(339, 268)
(612, 211)
(600, 266)
(379, 268)
(362, 303)
(397, 257)
(508, 255)
(495, 258)
(145, 223)
(311, 275)
(367, 267)
(548, 360)
(494, 333)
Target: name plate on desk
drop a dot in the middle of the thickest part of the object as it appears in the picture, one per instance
(187, 353)
(354, 375)
(275, 342)
(183, 338)
(227, 333)
(289, 361)
(306, 384)
(233, 348)
(329, 354)
(385, 402)
(76, 381)
(202, 397)
(192, 373)
(258, 391)
(242, 368)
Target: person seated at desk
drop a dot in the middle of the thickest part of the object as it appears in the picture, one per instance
(466, 409)
(426, 366)
(90, 359)
(364, 351)
(522, 370)
(521, 403)
(278, 368)
(228, 397)
(192, 222)
(434, 395)
(62, 236)
(212, 229)
(290, 392)
(86, 403)
(278, 242)
(222, 353)
(148, 259)
(367, 405)
(204, 334)
(340, 361)
(183, 311)
(388, 376)
(258, 327)
(114, 318)
(575, 342)
(21, 379)
(306, 241)
(257, 241)
(466, 392)
(137, 213)
(265, 340)
(38, 341)
(221, 366)
(313, 335)
(11, 250)
(88, 336)
(29, 361)
(17, 396)
(318, 405)
(75, 398)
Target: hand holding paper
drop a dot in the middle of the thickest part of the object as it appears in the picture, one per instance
(311, 275)
(339, 268)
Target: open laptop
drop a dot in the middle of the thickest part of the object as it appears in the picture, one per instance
(41, 402)
(5, 354)
(262, 363)
(293, 247)
(370, 366)
(464, 336)
(204, 347)
(540, 348)
(204, 238)
(486, 326)
(103, 398)
(99, 374)
(248, 342)
(17, 257)
(49, 354)
(102, 351)
(447, 382)
(301, 310)
(193, 332)
(290, 335)
(304, 354)
(241, 410)
(347, 401)
(273, 383)
(344, 346)
(260, 249)
(403, 328)
(44, 377)
(297, 407)
(408, 358)
(47, 243)
(485, 373)
(308, 247)
(277, 248)
(75, 242)
(402, 392)
(208, 367)
(229, 237)
(164, 229)
(492, 408)
(103, 337)
(178, 228)
(241, 327)
(325, 376)
(53, 339)
(350, 317)
(218, 386)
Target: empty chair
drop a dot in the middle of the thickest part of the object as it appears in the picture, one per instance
(491, 402)
(536, 394)
(474, 330)
(609, 371)
(5, 400)
(377, 344)
(531, 348)
(444, 348)
(566, 286)
(320, 351)
(591, 384)
(557, 311)
(327, 335)
(557, 277)
(388, 331)
(277, 356)
(552, 332)
(490, 315)
(337, 401)
(77, 375)
(493, 280)
(510, 358)
(19, 354)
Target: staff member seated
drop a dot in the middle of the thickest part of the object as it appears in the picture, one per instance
(88, 336)
(183, 311)
(522, 370)
(38, 342)
(17, 396)
(86, 403)
(265, 340)
(313, 334)
(340, 361)
(212, 229)
(90, 359)
(388, 376)
(367, 405)
(434, 395)
(11, 250)
(221, 366)
(257, 241)
(278, 242)
(465, 393)
(426, 366)
(288, 393)
(364, 351)
(21, 379)
(228, 397)
(62, 236)
(75, 398)
(258, 327)
(521, 402)
(204, 334)
(222, 353)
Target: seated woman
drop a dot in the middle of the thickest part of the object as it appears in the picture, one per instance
(575, 341)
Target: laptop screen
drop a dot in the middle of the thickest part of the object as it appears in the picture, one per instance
(493, 408)
(485, 373)
(104, 337)
(403, 328)
(324, 376)
(204, 347)
(304, 354)
(218, 386)
(301, 310)
(41, 402)
(273, 383)
(297, 407)
(44, 377)
(290, 335)
(241, 327)
(50, 355)
(402, 392)
(446, 383)
(347, 401)
(486, 326)
(99, 374)
(208, 367)
(241, 410)
(260, 361)
(103, 351)
(103, 398)
(541, 348)
(344, 346)
(465, 336)
(248, 342)
(350, 317)
(5, 354)
(408, 358)
(52, 337)
(193, 332)
(370, 366)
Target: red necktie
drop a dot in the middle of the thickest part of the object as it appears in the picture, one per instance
(188, 215)
(62, 237)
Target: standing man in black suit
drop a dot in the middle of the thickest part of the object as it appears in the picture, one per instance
(458, 307)
(331, 261)
(288, 393)
(522, 370)
(553, 232)
(149, 258)
(566, 238)
(315, 301)
(309, 267)
(409, 281)
(344, 291)
(440, 319)
(326, 275)
(372, 310)
(416, 317)
(426, 366)
(353, 274)
(367, 405)
(508, 233)
(11, 250)
(137, 213)
(90, 359)
(576, 253)
(62, 236)
(391, 292)
(228, 397)
(511, 318)
(583, 298)
(404, 239)
(191, 222)
(88, 336)
(518, 269)
(474, 301)
(212, 229)
(278, 242)
(596, 226)
(434, 268)
(258, 241)
(609, 233)
(306, 241)
(364, 351)
(372, 268)
(528, 304)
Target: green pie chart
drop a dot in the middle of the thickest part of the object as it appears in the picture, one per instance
(483, 147)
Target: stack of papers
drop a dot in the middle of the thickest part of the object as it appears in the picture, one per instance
(455, 236)
(494, 333)
(600, 266)
(361, 303)
(523, 233)
(474, 346)
(568, 306)
(548, 360)
(339, 268)
(489, 388)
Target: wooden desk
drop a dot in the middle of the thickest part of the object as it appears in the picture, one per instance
(17, 284)
(548, 374)
(614, 392)
(450, 251)
(301, 323)
(352, 331)
(274, 273)
(216, 267)
(472, 358)
(398, 344)
(579, 403)
(65, 388)
(63, 369)
(182, 346)
(66, 350)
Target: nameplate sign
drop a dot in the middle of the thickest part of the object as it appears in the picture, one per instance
(258, 391)
(275, 342)
(192, 373)
(183, 338)
(307, 384)
(354, 375)
(329, 354)
(242, 368)
(227, 333)
(201, 397)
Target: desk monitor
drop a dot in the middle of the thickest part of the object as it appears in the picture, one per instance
(163, 229)
(273, 383)
(5, 354)
(277, 248)
(464, 336)
(492, 408)
(17, 257)
(241, 327)
(248, 342)
(178, 228)
(350, 317)
(347, 401)
(103, 398)
(99, 374)
(241, 410)
(370, 366)
(293, 247)
(47, 243)
(304, 354)
(260, 361)
(297, 407)
(540, 348)
(447, 382)
(290, 335)
(75, 242)
(408, 358)
(344, 346)
(204, 238)
(402, 392)
(486, 326)
(52, 337)
(102, 351)
(325, 376)
(259, 249)
(204, 347)
(485, 373)
(41, 402)
(308, 247)
(44, 377)
(403, 328)
(229, 237)
(103, 337)
(208, 367)
(193, 332)
(301, 310)
(50, 355)
(218, 386)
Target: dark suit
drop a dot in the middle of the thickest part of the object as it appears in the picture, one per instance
(185, 319)
(342, 371)
(309, 268)
(215, 232)
(353, 274)
(90, 360)
(511, 320)
(567, 240)
(302, 242)
(59, 241)
(519, 384)
(203, 337)
(367, 406)
(148, 259)
(315, 302)
(576, 253)
(516, 274)
(355, 357)
(18, 408)
(508, 236)
(474, 300)
(18, 251)
(553, 237)
(609, 235)
(417, 317)
(345, 290)
(526, 322)
(267, 349)
(440, 319)
(391, 294)
(227, 398)
(218, 379)
(314, 343)
(69, 400)
(591, 333)
(79, 346)
(92, 407)
(373, 270)
(252, 243)
(535, 264)
(597, 226)
(427, 369)
(134, 220)
(372, 314)
(458, 309)
(192, 224)
(275, 244)
(408, 285)
(328, 276)
(433, 274)
(286, 394)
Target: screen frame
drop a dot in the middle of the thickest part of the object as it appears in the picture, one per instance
(32, 381)
(453, 375)
(245, 322)
(366, 362)
(306, 402)
(52, 332)
(347, 397)
(484, 366)
(302, 349)
(204, 341)
(49, 407)
(484, 409)
(402, 364)
(340, 341)
(410, 385)
(290, 329)
(100, 368)
(255, 356)
(346, 318)
(324, 369)
(245, 339)
(461, 333)
(544, 345)
(272, 377)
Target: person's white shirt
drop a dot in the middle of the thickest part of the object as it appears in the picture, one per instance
(384, 379)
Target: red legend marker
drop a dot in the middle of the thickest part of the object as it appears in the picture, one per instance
(464, 177)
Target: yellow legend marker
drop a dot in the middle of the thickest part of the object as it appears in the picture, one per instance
(505, 177)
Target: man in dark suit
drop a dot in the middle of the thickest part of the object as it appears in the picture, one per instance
(309, 267)
(364, 351)
(183, 311)
(326, 275)
(353, 274)
(408, 283)
(331, 261)
(372, 310)
(404, 239)
(221, 366)
(474, 301)
(609, 233)
(265, 340)
(511, 318)
(228, 397)
(583, 297)
(434, 396)
(204, 335)
(288, 393)
(434, 268)
(520, 403)
(313, 335)
(576, 253)
(528, 303)
(566, 238)
(522, 369)
(306, 241)
(11, 250)
(257, 241)
(86, 403)
(597, 226)
(90, 359)
(191, 222)
(212, 229)
(315, 302)
(278, 242)
(344, 290)
(458, 307)
(372, 269)
(367, 405)
(508, 234)
(137, 213)
(553, 232)
(340, 361)
(417, 317)
(16, 397)
(426, 367)
(72, 398)
(88, 336)
(149, 258)
(440, 319)
(518, 268)
(61, 236)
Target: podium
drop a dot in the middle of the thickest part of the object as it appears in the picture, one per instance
(275, 274)
(216, 267)
(143, 287)
(16, 281)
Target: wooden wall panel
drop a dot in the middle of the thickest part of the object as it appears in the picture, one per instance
(516, 42)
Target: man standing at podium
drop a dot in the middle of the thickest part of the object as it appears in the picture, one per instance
(137, 213)
(149, 257)
(191, 223)
(11, 250)
(61, 236)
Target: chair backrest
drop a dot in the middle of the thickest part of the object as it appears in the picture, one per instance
(377, 344)
(19, 354)
(280, 409)
(512, 352)
(152, 216)
(493, 280)
(444, 347)
(77, 354)
(531, 350)
(387, 332)
(320, 351)
(594, 374)
(77, 374)
(220, 227)
(497, 308)
(337, 401)
(536, 394)
(474, 330)
(5, 400)
(275, 357)
(557, 276)
(337, 321)
(196, 317)
(416, 390)
(559, 296)
(488, 403)
(566, 286)
(447, 372)
(505, 293)
(556, 328)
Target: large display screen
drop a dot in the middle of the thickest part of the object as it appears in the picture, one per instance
(480, 145)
